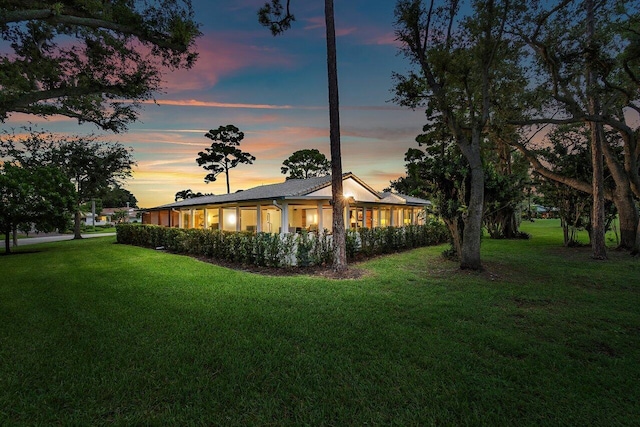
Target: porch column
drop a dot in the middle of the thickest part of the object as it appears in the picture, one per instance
(284, 220)
(206, 219)
(392, 219)
(364, 217)
(238, 225)
(320, 219)
(379, 216)
(347, 215)
(192, 218)
(180, 224)
(259, 218)
(220, 219)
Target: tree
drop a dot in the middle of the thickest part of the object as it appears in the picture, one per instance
(308, 163)
(91, 60)
(90, 164)
(40, 197)
(278, 20)
(440, 174)
(223, 155)
(585, 61)
(183, 195)
(461, 61)
(188, 194)
(568, 152)
(120, 216)
(115, 196)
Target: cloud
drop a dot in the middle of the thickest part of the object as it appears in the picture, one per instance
(317, 22)
(222, 54)
(214, 104)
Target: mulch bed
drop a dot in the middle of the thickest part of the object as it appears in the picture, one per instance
(327, 272)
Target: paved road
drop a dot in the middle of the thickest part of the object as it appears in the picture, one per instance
(45, 239)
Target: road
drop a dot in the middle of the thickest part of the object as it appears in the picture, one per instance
(45, 239)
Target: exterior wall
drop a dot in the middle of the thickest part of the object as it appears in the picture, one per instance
(303, 215)
(350, 188)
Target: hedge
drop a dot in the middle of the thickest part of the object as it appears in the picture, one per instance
(275, 250)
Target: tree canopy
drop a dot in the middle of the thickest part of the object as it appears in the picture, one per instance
(115, 196)
(223, 154)
(188, 194)
(91, 60)
(90, 164)
(39, 197)
(307, 163)
(461, 58)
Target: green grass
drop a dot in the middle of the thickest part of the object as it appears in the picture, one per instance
(97, 333)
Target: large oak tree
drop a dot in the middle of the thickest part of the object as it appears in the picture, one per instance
(460, 57)
(95, 61)
(585, 68)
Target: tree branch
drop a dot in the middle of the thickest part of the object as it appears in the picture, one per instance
(51, 16)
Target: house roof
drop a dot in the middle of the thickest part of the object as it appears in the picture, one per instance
(291, 188)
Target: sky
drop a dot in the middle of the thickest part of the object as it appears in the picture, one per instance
(274, 89)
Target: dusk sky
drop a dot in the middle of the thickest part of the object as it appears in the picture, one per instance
(275, 90)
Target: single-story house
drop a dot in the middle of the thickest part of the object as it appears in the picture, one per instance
(290, 206)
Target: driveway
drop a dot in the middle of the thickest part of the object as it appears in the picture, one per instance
(45, 239)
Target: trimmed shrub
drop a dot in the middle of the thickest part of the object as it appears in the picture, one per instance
(274, 250)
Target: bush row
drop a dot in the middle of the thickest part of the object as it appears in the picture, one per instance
(275, 250)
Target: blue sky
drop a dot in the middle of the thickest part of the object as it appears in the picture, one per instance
(275, 90)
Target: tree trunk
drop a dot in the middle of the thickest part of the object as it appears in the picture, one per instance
(628, 216)
(456, 240)
(472, 233)
(636, 248)
(598, 244)
(76, 225)
(14, 234)
(337, 198)
(7, 240)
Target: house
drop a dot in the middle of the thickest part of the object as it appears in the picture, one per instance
(107, 214)
(291, 206)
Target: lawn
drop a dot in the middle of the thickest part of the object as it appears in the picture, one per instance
(98, 333)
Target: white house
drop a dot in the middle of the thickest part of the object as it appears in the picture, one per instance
(291, 206)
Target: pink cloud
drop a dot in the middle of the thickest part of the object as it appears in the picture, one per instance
(213, 104)
(317, 22)
(222, 54)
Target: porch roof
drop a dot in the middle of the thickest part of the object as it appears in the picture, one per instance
(292, 189)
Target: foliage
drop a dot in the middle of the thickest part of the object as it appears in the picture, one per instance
(188, 194)
(90, 164)
(115, 196)
(119, 216)
(584, 68)
(308, 163)
(275, 250)
(506, 183)
(440, 174)
(568, 154)
(37, 197)
(464, 67)
(90, 60)
(223, 154)
(278, 20)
